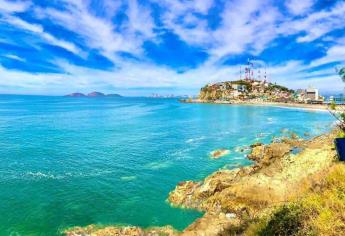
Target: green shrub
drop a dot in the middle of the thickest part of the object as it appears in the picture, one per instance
(286, 221)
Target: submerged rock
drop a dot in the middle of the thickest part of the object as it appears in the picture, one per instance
(219, 153)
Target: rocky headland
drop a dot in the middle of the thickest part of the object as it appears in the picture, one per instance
(257, 93)
(241, 90)
(282, 171)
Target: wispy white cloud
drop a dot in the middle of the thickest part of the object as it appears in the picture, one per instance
(9, 8)
(245, 26)
(335, 53)
(39, 31)
(298, 7)
(184, 18)
(15, 57)
(14, 6)
(101, 33)
(316, 24)
(140, 20)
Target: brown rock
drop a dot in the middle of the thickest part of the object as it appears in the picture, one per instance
(256, 145)
(219, 153)
(264, 154)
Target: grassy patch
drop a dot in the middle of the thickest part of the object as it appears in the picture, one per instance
(320, 212)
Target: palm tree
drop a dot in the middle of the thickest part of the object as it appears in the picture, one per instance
(342, 73)
(338, 111)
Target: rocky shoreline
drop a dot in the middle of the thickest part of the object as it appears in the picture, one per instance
(282, 171)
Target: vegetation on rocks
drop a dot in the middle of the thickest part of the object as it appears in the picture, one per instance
(319, 212)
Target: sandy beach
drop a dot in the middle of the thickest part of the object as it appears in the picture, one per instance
(304, 106)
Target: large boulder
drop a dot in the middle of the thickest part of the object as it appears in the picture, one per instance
(265, 154)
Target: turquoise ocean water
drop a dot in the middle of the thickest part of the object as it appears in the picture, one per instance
(79, 161)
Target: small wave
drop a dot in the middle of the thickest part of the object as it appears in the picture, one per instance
(262, 135)
(14, 233)
(237, 158)
(158, 165)
(128, 178)
(192, 140)
(40, 175)
(242, 149)
(231, 166)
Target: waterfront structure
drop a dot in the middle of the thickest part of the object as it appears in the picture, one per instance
(309, 95)
(312, 94)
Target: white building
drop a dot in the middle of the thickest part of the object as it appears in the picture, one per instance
(312, 94)
(239, 87)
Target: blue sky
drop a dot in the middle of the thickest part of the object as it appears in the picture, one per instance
(137, 47)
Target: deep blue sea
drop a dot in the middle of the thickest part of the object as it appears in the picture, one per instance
(77, 161)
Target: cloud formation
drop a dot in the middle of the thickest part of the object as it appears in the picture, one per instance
(80, 45)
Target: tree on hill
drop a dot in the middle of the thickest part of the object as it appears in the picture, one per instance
(338, 111)
(342, 73)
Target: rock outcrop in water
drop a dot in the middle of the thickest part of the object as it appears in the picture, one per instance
(216, 154)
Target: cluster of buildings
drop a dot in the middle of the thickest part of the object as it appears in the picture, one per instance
(310, 95)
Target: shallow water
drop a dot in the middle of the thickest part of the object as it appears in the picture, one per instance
(80, 161)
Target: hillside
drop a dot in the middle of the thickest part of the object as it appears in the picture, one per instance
(245, 90)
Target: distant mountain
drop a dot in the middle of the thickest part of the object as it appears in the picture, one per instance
(93, 94)
(96, 94)
(76, 95)
(114, 95)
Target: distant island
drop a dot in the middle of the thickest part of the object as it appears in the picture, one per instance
(92, 94)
